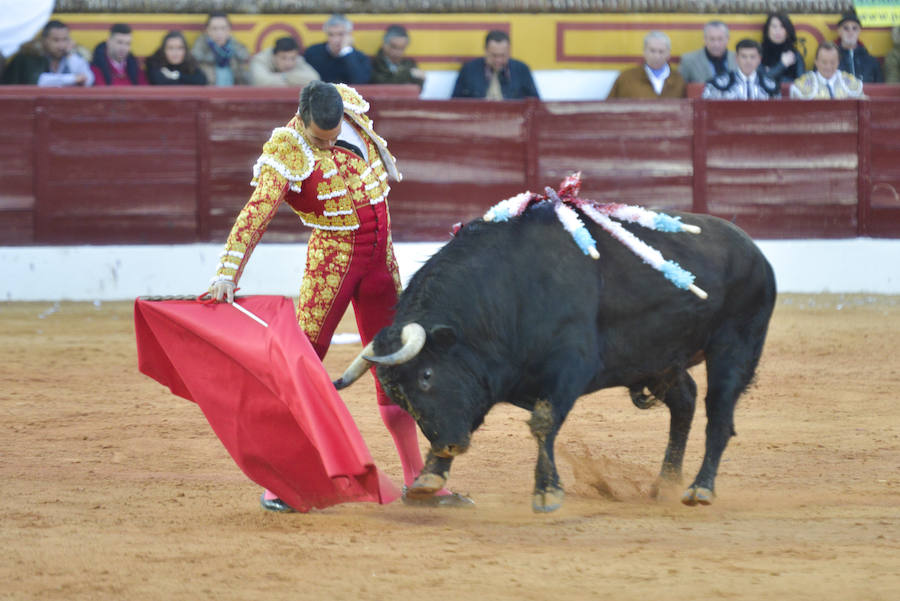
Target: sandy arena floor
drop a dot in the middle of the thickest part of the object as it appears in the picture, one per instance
(115, 489)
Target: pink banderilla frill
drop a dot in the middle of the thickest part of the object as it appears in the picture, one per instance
(565, 201)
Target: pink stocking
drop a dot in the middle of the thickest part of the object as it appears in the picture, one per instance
(402, 427)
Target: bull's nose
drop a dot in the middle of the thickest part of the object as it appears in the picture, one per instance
(451, 450)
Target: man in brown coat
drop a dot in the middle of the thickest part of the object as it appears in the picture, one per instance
(653, 79)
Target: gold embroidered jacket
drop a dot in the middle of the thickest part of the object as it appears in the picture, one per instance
(323, 187)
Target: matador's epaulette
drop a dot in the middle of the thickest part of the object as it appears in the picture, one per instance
(853, 84)
(806, 85)
(287, 153)
(768, 84)
(722, 82)
(355, 107)
(353, 102)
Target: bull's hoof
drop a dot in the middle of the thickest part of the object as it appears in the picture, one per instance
(425, 485)
(698, 495)
(545, 501)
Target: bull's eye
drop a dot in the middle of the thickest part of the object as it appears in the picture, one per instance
(425, 379)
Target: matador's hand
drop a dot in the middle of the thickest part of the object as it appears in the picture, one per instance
(222, 289)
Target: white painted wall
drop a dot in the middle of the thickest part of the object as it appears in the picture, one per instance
(552, 84)
(88, 273)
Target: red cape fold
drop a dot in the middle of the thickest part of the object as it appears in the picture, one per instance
(266, 395)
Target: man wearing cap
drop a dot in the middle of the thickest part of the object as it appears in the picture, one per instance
(854, 58)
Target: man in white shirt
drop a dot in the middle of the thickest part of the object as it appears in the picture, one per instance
(281, 66)
(747, 82)
(827, 81)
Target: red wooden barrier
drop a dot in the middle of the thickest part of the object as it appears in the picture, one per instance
(150, 165)
(872, 90)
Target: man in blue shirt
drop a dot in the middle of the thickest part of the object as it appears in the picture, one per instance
(336, 60)
(496, 76)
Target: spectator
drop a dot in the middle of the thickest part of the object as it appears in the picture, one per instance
(222, 58)
(855, 59)
(391, 65)
(781, 60)
(653, 79)
(49, 63)
(713, 59)
(495, 76)
(113, 64)
(748, 81)
(336, 60)
(173, 65)
(892, 60)
(827, 81)
(281, 66)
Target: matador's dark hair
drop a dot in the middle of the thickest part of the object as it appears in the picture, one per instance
(321, 103)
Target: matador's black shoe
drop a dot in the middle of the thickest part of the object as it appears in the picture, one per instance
(454, 499)
(275, 505)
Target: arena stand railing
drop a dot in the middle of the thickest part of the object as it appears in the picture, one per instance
(146, 165)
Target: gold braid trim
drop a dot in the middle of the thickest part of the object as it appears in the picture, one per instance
(355, 107)
(251, 223)
(288, 153)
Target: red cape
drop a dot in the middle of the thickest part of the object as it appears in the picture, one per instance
(266, 395)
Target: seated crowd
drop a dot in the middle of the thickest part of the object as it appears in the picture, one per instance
(753, 71)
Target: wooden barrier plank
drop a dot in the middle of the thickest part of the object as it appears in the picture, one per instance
(788, 173)
(635, 152)
(884, 167)
(17, 122)
(118, 170)
(142, 166)
(457, 159)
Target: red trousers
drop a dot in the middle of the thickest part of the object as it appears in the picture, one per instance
(355, 266)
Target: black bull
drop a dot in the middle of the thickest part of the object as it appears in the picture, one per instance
(514, 312)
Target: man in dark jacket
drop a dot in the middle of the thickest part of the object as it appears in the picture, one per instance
(855, 59)
(113, 64)
(52, 62)
(496, 76)
(336, 60)
(391, 65)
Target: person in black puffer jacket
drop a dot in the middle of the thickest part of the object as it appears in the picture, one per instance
(173, 65)
(781, 61)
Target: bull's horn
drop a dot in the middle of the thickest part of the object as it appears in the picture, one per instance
(356, 369)
(413, 338)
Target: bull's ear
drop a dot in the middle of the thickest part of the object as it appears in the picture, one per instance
(444, 336)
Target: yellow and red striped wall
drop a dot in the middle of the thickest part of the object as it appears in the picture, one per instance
(441, 42)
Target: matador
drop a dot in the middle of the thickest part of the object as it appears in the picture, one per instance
(332, 169)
